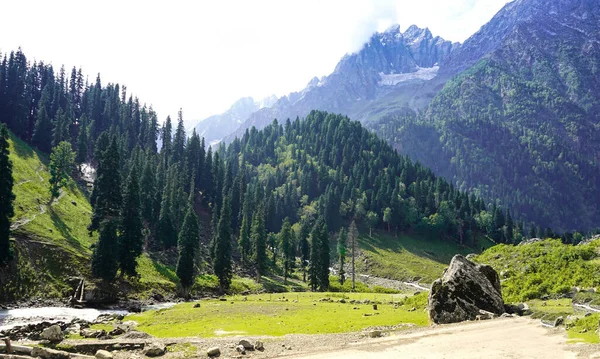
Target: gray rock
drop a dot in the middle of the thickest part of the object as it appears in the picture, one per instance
(103, 354)
(92, 333)
(374, 334)
(258, 345)
(246, 344)
(53, 334)
(47, 353)
(134, 334)
(154, 350)
(558, 321)
(464, 289)
(213, 352)
(240, 349)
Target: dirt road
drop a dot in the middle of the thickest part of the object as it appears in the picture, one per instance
(502, 338)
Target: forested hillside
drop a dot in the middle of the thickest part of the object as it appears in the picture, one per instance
(522, 124)
(285, 192)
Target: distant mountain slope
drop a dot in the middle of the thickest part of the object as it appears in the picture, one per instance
(214, 128)
(523, 124)
(386, 76)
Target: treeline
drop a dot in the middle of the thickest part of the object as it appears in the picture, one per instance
(279, 195)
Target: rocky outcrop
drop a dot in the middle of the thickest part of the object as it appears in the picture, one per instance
(465, 291)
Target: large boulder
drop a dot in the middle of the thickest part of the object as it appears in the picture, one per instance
(464, 290)
(53, 334)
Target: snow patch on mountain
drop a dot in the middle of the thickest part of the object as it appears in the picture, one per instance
(422, 73)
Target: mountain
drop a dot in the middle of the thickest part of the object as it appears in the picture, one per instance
(214, 128)
(386, 76)
(521, 122)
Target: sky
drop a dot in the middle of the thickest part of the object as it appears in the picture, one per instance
(202, 56)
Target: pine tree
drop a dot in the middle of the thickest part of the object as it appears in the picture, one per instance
(148, 191)
(325, 259)
(315, 259)
(104, 258)
(6, 195)
(286, 247)
(42, 133)
(222, 247)
(108, 187)
(61, 164)
(60, 132)
(179, 140)
(258, 237)
(187, 244)
(244, 240)
(131, 240)
(353, 237)
(341, 250)
(82, 141)
(304, 247)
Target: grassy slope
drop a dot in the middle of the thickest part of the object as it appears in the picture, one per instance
(417, 257)
(547, 268)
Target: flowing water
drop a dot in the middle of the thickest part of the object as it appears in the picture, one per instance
(22, 316)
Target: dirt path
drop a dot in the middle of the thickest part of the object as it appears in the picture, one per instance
(502, 338)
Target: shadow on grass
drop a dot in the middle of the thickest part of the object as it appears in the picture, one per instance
(21, 148)
(166, 272)
(65, 231)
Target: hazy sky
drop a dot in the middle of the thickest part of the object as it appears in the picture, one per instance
(204, 55)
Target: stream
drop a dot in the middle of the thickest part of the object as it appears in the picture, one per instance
(10, 318)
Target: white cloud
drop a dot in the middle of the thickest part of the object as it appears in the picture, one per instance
(204, 55)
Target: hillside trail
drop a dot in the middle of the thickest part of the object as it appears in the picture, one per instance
(43, 207)
(501, 338)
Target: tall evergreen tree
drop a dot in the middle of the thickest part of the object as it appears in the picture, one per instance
(258, 237)
(353, 238)
(287, 246)
(187, 244)
(7, 196)
(244, 240)
(179, 140)
(341, 251)
(108, 188)
(222, 247)
(104, 258)
(304, 247)
(131, 240)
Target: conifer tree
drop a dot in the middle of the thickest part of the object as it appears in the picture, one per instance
(179, 140)
(61, 128)
(61, 164)
(244, 240)
(108, 188)
(222, 247)
(353, 237)
(42, 133)
(341, 251)
(82, 141)
(187, 244)
(304, 247)
(258, 237)
(7, 196)
(104, 258)
(286, 247)
(131, 240)
(148, 191)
